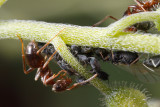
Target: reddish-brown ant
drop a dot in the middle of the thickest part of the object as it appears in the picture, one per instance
(142, 6)
(34, 60)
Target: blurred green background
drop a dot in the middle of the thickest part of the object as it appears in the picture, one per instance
(20, 90)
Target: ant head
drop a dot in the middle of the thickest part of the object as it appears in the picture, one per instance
(61, 85)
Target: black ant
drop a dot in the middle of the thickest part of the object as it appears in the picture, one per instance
(142, 6)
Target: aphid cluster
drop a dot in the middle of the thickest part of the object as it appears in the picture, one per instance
(85, 56)
(91, 56)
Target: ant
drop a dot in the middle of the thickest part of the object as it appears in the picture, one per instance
(142, 6)
(34, 59)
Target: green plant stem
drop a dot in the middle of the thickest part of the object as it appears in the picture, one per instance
(64, 52)
(123, 23)
(106, 37)
(88, 36)
(43, 32)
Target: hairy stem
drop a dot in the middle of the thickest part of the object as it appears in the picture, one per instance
(106, 37)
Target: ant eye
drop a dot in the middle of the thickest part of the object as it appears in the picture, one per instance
(58, 87)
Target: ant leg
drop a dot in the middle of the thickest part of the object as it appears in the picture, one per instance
(50, 58)
(153, 2)
(133, 62)
(140, 5)
(49, 42)
(112, 55)
(104, 59)
(102, 56)
(23, 58)
(83, 82)
(148, 67)
(101, 21)
(54, 76)
(136, 60)
(37, 74)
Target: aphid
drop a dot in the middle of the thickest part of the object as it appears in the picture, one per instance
(100, 74)
(101, 53)
(123, 57)
(88, 51)
(83, 59)
(75, 49)
(32, 56)
(95, 66)
(66, 67)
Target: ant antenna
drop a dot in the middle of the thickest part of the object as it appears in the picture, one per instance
(49, 42)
